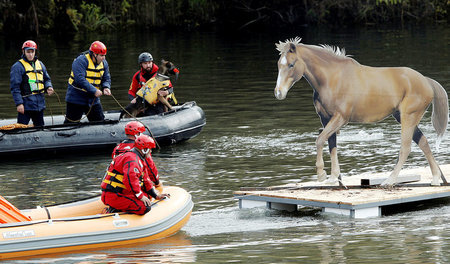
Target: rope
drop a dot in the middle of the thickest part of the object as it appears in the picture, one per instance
(14, 126)
(146, 127)
(49, 109)
(70, 120)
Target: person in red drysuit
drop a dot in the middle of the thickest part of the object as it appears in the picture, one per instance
(127, 186)
(132, 130)
(147, 70)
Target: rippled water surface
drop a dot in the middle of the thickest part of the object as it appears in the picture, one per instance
(251, 139)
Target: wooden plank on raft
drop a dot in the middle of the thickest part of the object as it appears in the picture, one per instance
(354, 200)
(401, 179)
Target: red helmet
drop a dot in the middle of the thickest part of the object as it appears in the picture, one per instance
(98, 47)
(143, 142)
(134, 127)
(29, 44)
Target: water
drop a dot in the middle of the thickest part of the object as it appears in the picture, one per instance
(251, 139)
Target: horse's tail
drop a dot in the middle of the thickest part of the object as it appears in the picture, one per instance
(439, 117)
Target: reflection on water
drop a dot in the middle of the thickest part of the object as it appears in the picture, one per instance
(174, 249)
(250, 139)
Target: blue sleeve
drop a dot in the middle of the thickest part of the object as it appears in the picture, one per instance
(47, 80)
(17, 71)
(79, 67)
(106, 79)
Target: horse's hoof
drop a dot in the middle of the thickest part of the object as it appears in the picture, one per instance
(388, 182)
(435, 182)
(322, 177)
(332, 180)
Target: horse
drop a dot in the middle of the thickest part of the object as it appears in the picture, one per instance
(346, 91)
(165, 69)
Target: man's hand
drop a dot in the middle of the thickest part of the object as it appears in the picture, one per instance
(146, 201)
(133, 101)
(50, 90)
(162, 196)
(98, 93)
(107, 91)
(21, 109)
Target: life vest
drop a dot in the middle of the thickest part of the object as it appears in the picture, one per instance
(94, 73)
(174, 100)
(149, 91)
(114, 181)
(34, 83)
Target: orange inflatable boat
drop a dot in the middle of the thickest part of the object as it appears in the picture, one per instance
(80, 225)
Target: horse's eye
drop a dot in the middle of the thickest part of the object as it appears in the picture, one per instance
(291, 65)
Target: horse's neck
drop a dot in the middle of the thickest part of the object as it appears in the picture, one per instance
(318, 65)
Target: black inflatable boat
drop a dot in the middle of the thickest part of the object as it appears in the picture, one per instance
(182, 123)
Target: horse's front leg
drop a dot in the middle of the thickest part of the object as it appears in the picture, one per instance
(329, 134)
(332, 146)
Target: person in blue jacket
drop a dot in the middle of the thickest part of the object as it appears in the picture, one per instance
(29, 81)
(88, 80)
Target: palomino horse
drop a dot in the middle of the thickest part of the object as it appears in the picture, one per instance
(346, 91)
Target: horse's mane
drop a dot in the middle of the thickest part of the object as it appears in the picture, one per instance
(283, 47)
(335, 50)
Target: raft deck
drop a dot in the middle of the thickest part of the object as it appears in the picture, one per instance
(353, 200)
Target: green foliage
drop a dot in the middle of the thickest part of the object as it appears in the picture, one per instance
(18, 17)
(75, 17)
(93, 19)
(390, 2)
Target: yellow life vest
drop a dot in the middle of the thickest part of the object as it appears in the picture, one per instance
(149, 91)
(94, 73)
(172, 96)
(115, 180)
(35, 76)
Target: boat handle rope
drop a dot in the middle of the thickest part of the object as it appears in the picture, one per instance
(48, 212)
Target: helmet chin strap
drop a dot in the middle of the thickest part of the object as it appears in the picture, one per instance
(146, 151)
(95, 58)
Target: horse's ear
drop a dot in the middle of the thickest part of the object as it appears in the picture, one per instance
(292, 48)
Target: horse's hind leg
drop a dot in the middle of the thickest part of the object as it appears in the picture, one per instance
(422, 142)
(408, 123)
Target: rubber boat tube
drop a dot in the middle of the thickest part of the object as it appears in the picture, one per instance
(80, 226)
(180, 124)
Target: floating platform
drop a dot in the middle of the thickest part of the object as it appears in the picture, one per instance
(356, 199)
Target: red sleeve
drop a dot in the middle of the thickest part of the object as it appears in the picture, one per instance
(131, 173)
(152, 170)
(148, 184)
(134, 87)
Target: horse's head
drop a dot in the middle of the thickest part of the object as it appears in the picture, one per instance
(290, 67)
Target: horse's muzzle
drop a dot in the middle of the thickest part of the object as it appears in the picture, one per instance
(278, 94)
